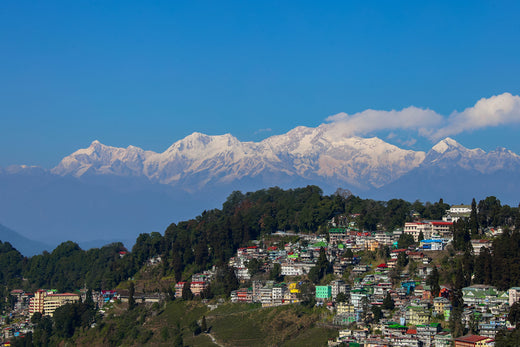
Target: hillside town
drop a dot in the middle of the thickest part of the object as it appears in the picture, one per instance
(395, 302)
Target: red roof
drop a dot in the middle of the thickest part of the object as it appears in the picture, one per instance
(473, 338)
(411, 331)
(442, 223)
(382, 265)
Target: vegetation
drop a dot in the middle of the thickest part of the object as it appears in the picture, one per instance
(214, 236)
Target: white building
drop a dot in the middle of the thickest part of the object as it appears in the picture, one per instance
(428, 229)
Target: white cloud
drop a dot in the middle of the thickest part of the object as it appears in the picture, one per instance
(410, 118)
(497, 110)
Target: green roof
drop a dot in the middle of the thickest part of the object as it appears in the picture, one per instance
(337, 230)
(397, 326)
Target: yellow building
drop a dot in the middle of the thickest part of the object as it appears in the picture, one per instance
(440, 304)
(47, 302)
(344, 308)
(417, 316)
(293, 288)
(36, 302)
(53, 301)
(372, 245)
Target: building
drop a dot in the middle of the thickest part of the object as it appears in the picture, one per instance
(514, 295)
(416, 315)
(478, 245)
(457, 212)
(473, 341)
(198, 287)
(36, 302)
(344, 308)
(338, 286)
(52, 301)
(433, 244)
(47, 302)
(440, 305)
(337, 236)
(323, 292)
(428, 229)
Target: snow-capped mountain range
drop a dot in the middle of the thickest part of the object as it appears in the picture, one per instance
(103, 193)
(303, 154)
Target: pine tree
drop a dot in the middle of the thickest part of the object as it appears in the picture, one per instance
(131, 300)
(203, 325)
(433, 282)
(186, 291)
(473, 218)
(388, 302)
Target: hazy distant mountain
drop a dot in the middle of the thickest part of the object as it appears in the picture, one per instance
(51, 209)
(457, 174)
(106, 193)
(22, 244)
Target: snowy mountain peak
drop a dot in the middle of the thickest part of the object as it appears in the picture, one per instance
(314, 155)
(447, 144)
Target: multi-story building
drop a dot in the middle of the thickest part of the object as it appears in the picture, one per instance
(337, 236)
(428, 229)
(278, 294)
(478, 245)
(47, 302)
(344, 308)
(416, 315)
(198, 287)
(514, 295)
(36, 302)
(426, 333)
(52, 301)
(292, 269)
(242, 274)
(338, 286)
(473, 341)
(323, 292)
(384, 238)
(440, 304)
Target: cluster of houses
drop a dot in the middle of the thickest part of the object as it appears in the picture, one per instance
(416, 317)
(44, 301)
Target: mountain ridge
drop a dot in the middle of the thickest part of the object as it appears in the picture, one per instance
(104, 192)
(303, 152)
(199, 160)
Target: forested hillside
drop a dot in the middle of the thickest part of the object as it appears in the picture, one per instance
(213, 237)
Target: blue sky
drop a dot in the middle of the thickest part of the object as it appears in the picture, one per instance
(150, 73)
